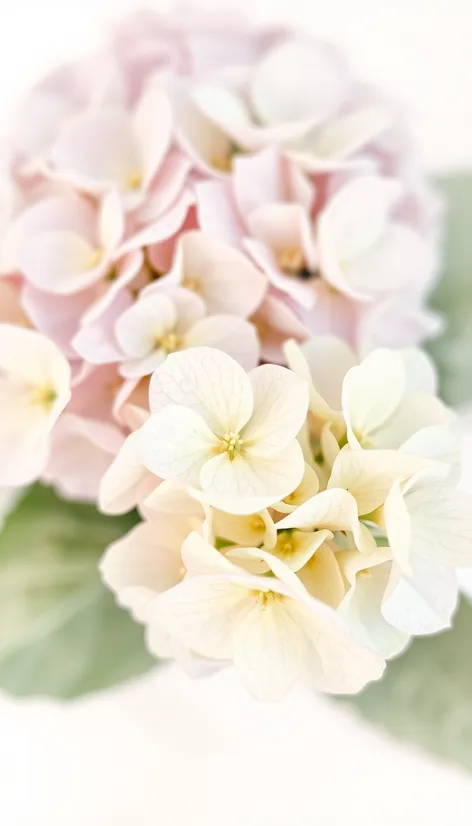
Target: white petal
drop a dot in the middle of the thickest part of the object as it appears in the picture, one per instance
(441, 524)
(420, 371)
(362, 606)
(371, 393)
(298, 81)
(139, 329)
(119, 490)
(235, 336)
(250, 483)
(280, 408)
(328, 359)
(356, 217)
(269, 650)
(415, 412)
(209, 382)
(175, 443)
(344, 135)
(398, 258)
(422, 603)
(398, 527)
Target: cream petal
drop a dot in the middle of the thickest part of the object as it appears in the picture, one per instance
(280, 409)
(175, 444)
(269, 650)
(338, 664)
(369, 474)
(322, 577)
(209, 382)
(250, 483)
(24, 437)
(35, 360)
(145, 562)
(335, 510)
(307, 488)
(201, 613)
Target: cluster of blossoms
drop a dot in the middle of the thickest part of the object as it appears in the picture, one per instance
(301, 522)
(198, 198)
(198, 182)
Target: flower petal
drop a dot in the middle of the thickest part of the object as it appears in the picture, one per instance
(371, 393)
(209, 382)
(175, 443)
(280, 409)
(249, 483)
(235, 336)
(269, 650)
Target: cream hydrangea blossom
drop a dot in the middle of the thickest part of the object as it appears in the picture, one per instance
(352, 559)
(229, 434)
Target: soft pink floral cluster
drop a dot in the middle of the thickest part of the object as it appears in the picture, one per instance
(199, 182)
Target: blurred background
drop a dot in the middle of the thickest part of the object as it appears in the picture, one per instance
(163, 750)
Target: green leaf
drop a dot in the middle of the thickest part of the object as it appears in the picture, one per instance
(425, 696)
(61, 632)
(452, 351)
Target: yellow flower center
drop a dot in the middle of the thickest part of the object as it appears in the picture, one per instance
(94, 259)
(43, 396)
(231, 444)
(291, 261)
(134, 180)
(256, 523)
(223, 160)
(264, 598)
(191, 284)
(169, 342)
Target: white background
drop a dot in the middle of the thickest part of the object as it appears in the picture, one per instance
(166, 751)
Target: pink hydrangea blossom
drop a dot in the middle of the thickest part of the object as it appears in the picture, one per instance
(200, 181)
